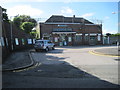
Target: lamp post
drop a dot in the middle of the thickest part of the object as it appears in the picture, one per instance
(11, 32)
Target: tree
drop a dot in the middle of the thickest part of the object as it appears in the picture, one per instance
(27, 26)
(117, 34)
(4, 15)
(17, 21)
(20, 19)
(34, 34)
(108, 34)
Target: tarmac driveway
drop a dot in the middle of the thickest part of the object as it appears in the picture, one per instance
(67, 67)
(103, 67)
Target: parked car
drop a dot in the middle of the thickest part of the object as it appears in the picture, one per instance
(44, 45)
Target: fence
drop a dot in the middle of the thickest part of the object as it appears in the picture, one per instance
(111, 40)
(13, 39)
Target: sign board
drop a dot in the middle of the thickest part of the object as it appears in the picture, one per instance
(62, 29)
(16, 41)
(2, 41)
(93, 34)
(29, 41)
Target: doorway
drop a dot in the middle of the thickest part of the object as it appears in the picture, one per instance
(64, 40)
(92, 40)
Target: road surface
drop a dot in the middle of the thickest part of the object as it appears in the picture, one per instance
(66, 67)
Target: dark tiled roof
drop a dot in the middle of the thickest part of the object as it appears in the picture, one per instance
(60, 19)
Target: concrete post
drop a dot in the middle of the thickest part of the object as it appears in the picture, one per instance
(103, 40)
(11, 35)
(0, 48)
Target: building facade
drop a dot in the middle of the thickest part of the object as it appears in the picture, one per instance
(70, 31)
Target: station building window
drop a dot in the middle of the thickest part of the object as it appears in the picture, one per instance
(69, 39)
(99, 37)
(86, 37)
(78, 37)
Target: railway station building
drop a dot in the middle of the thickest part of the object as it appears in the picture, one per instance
(71, 31)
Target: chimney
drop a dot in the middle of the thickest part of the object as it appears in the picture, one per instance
(73, 19)
(73, 16)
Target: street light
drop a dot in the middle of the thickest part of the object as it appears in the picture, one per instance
(11, 29)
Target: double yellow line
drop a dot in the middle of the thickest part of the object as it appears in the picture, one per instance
(28, 68)
(101, 54)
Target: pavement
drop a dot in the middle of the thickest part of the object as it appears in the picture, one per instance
(22, 59)
(18, 60)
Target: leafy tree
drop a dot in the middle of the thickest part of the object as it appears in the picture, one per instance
(4, 15)
(18, 20)
(27, 26)
(108, 34)
(34, 34)
(25, 18)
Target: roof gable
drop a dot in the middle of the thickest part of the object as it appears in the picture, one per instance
(62, 19)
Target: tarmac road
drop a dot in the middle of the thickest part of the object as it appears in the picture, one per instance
(68, 67)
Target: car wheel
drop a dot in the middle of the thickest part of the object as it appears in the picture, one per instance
(36, 50)
(47, 49)
(53, 48)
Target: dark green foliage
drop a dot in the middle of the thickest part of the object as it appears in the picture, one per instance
(18, 20)
(25, 23)
(34, 34)
(108, 34)
(27, 26)
(117, 34)
(4, 15)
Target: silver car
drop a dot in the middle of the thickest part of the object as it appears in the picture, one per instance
(44, 45)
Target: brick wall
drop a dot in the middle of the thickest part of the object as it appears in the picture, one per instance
(19, 39)
(78, 28)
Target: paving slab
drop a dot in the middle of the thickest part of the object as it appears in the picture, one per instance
(18, 60)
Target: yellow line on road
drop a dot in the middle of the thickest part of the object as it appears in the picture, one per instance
(101, 54)
(28, 68)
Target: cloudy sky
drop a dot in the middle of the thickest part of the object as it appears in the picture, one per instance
(97, 12)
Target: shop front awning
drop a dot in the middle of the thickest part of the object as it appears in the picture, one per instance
(63, 32)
